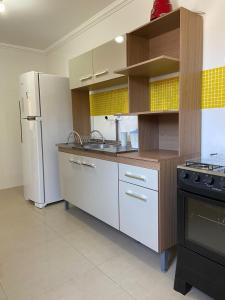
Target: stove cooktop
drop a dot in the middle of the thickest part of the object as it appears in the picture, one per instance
(214, 163)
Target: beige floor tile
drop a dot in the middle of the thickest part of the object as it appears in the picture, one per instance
(96, 247)
(62, 222)
(96, 240)
(93, 285)
(53, 254)
(2, 294)
(20, 240)
(51, 264)
(138, 272)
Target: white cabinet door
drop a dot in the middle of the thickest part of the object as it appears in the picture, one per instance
(71, 183)
(101, 189)
(139, 214)
(107, 58)
(92, 185)
(81, 70)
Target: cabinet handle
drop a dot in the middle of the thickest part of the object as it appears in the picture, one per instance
(134, 195)
(101, 73)
(86, 78)
(88, 164)
(139, 177)
(77, 162)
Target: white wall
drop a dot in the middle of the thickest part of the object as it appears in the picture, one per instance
(13, 62)
(137, 13)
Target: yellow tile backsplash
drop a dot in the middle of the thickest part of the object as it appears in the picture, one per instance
(213, 88)
(109, 103)
(163, 94)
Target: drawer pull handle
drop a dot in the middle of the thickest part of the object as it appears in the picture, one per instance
(139, 177)
(140, 197)
(77, 162)
(101, 73)
(88, 165)
(86, 78)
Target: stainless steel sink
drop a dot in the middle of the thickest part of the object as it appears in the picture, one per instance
(102, 147)
(98, 146)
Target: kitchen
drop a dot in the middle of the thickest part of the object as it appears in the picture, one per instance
(177, 136)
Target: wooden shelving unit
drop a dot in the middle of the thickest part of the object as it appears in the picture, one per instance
(172, 43)
(153, 67)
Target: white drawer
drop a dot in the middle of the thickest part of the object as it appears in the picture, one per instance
(147, 178)
(139, 214)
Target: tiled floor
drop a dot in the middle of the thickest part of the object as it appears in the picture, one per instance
(52, 254)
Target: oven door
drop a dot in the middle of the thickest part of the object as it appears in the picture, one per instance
(201, 225)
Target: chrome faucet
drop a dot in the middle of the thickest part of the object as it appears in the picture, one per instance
(99, 133)
(75, 133)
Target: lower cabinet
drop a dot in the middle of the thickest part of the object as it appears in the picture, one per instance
(139, 213)
(130, 206)
(92, 185)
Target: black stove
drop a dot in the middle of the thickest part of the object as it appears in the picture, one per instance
(201, 226)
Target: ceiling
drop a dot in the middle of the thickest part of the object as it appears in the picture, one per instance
(39, 23)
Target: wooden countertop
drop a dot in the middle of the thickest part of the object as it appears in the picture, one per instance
(154, 156)
(148, 159)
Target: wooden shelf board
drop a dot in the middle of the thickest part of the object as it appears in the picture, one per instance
(153, 155)
(160, 25)
(151, 68)
(162, 112)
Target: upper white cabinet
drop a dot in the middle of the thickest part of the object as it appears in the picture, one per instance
(97, 65)
(108, 58)
(81, 70)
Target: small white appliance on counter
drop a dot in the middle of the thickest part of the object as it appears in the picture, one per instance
(46, 119)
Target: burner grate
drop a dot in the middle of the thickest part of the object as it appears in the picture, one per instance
(202, 166)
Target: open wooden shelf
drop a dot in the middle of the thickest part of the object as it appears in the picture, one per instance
(160, 25)
(153, 67)
(162, 112)
(159, 131)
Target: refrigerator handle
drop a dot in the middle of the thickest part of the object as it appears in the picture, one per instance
(21, 129)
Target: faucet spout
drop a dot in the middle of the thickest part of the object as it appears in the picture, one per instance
(75, 134)
(99, 133)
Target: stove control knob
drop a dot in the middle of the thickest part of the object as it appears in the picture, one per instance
(210, 180)
(184, 175)
(197, 178)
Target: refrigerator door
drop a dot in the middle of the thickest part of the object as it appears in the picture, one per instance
(29, 95)
(57, 122)
(33, 175)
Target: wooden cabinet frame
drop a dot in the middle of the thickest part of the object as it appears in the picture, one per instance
(172, 43)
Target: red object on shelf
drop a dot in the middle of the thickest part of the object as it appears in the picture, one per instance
(160, 7)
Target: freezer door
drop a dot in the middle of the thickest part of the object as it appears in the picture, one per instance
(29, 95)
(33, 176)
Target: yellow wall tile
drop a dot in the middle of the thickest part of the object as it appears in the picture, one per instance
(164, 95)
(109, 103)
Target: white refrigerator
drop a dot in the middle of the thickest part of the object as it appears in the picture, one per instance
(46, 120)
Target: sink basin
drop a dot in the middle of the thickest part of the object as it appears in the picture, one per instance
(98, 146)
